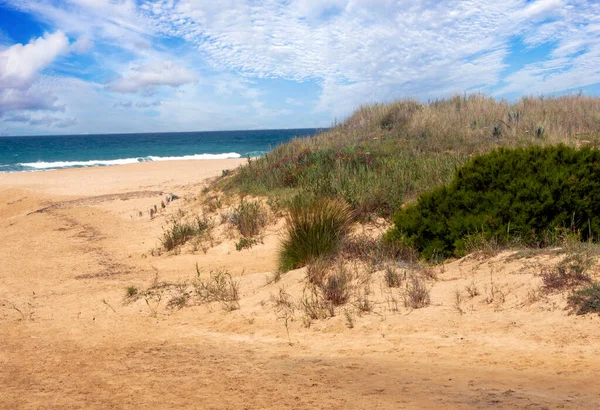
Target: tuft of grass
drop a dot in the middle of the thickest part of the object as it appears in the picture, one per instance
(315, 229)
(180, 231)
(336, 289)
(245, 243)
(131, 291)
(417, 293)
(219, 287)
(249, 217)
(392, 277)
(585, 300)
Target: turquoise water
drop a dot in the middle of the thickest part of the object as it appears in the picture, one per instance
(38, 153)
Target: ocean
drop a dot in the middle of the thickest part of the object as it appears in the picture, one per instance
(21, 154)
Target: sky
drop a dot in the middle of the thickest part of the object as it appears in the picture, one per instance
(117, 66)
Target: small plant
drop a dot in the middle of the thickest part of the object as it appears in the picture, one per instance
(417, 294)
(249, 217)
(472, 289)
(314, 229)
(585, 300)
(392, 277)
(336, 288)
(131, 291)
(571, 272)
(181, 231)
(219, 287)
(349, 320)
(458, 299)
(317, 271)
(245, 243)
(363, 304)
(178, 301)
(314, 306)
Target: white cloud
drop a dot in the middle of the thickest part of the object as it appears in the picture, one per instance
(151, 75)
(356, 51)
(43, 120)
(13, 100)
(82, 45)
(19, 64)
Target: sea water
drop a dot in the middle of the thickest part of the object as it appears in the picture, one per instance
(39, 153)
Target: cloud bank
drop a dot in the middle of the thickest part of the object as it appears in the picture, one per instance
(318, 59)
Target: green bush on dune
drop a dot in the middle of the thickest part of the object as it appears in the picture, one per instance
(523, 193)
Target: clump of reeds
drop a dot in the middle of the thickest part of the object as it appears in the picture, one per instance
(314, 229)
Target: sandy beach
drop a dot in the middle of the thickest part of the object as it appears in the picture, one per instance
(73, 240)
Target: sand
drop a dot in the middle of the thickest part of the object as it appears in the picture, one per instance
(74, 240)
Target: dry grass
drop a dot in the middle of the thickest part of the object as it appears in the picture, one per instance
(569, 273)
(385, 155)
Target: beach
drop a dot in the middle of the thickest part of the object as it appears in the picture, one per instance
(73, 241)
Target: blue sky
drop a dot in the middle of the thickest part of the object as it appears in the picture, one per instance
(105, 66)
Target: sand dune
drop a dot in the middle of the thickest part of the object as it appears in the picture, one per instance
(74, 240)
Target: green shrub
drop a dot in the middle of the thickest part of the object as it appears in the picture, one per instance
(314, 229)
(586, 300)
(524, 193)
(245, 243)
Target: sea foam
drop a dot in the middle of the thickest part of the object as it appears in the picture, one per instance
(93, 163)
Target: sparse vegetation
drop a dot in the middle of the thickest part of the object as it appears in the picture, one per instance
(315, 228)
(392, 277)
(245, 243)
(249, 217)
(585, 300)
(335, 288)
(569, 273)
(218, 287)
(180, 231)
(416, 295)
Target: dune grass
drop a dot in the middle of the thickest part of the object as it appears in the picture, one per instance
(315, 229)
(385, 155)
(180, 231)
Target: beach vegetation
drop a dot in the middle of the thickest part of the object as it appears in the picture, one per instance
(315, 228)
(585, 300)
(250, 217)
(180, 231)
(385, 155)
(532, 194)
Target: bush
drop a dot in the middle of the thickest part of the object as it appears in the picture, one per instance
(524, 193)
(586, 300)
(314, 229)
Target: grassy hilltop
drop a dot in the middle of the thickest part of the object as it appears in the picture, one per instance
(385, 155)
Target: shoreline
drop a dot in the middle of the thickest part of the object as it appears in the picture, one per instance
(97, 180)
